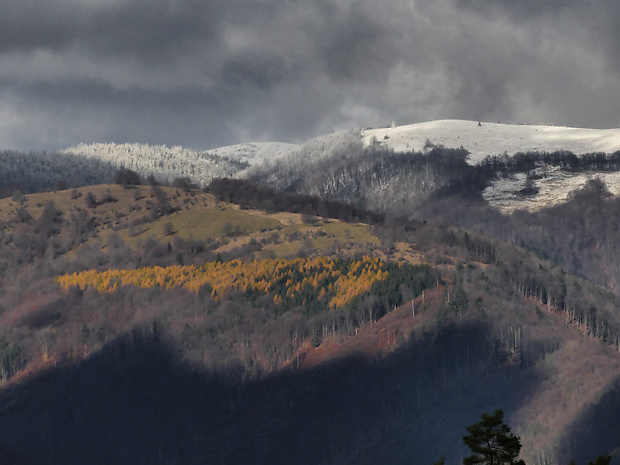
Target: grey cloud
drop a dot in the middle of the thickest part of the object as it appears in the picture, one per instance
(144, 29)
(260, 70)
(595, 22)
(354, 46)
(208, 73)
(519, 9)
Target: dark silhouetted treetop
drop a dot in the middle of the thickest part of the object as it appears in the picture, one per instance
(601, 460)
(492, 442)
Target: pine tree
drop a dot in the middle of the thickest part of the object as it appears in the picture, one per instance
(601, 460)
(491, 442)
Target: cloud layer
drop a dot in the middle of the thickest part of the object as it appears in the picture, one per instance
(208, 73)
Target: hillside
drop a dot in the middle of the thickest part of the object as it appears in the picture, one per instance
(492, 139)
(385, 156)
(155, 324)
(527, 198)
(325, 306)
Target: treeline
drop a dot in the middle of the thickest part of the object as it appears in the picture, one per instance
(566, 160)
(240, 319)
(377, 178)
(30, 172)
(249, 195)
(165, 163)
(588, 306)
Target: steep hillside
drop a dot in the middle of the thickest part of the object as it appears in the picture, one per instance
(206, 332)
(514, 166)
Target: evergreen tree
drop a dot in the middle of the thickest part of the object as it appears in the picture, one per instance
(601, 460)
(491, 442)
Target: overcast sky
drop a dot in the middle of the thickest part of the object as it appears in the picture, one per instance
(207, 73)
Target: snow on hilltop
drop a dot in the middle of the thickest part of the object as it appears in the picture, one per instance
(489, 139)
(163, 162)
(255, 153)
(494, 138)
(305, 162)
(177, 162)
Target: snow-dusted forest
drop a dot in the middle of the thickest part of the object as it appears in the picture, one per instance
(37, 171)
(162, 162)
(97, 164)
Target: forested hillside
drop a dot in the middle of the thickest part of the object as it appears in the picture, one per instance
(438, 184)
(147, 324)
(341, 303)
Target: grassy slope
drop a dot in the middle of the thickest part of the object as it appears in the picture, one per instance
(199, 216)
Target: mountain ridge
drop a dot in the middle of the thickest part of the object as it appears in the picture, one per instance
(482, 141)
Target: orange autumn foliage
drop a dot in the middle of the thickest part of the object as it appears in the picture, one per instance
(338, 280)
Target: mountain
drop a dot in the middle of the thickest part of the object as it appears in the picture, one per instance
(390, 154)
(342, 301)
(388, 159)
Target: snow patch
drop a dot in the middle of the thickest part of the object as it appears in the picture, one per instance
(553, 189)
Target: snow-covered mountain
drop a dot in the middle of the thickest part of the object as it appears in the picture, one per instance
(483, 139)
(368, 166)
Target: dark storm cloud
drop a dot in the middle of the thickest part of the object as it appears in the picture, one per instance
(353, 46)
(208, 73)
(260, 70)
(140, 28)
